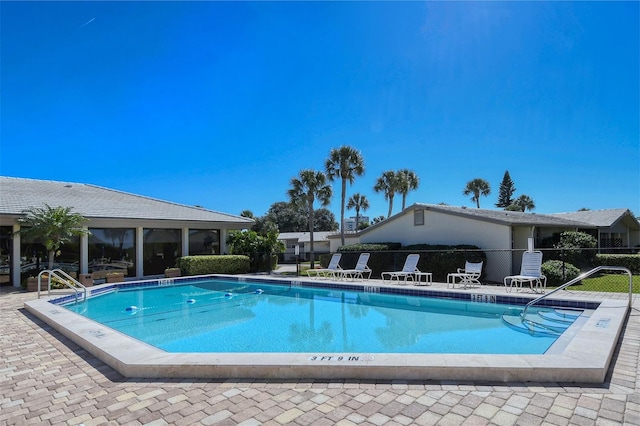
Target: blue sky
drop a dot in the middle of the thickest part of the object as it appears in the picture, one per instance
(220, 104)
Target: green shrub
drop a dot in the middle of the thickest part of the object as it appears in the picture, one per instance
(578, 248)
(324, 259)
(369, 247)
(441, 259)
(213, 264)
(629, 261)
(259, 247)
(437, 259)
(558, 272)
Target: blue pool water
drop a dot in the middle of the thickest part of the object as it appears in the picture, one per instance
(229, 316)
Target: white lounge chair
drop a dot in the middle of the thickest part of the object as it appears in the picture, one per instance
(468, 276)
(359, 272)
(530, 272)
(334, 265)
(408, 270)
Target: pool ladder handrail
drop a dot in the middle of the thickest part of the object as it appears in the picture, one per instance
(63, 277)
(578, 279)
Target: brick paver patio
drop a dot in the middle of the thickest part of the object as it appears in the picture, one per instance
(47, 379)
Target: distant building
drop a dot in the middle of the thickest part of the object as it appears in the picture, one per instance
(350, 223)
(303, 241)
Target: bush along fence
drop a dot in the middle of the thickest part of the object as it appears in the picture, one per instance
(441, 260)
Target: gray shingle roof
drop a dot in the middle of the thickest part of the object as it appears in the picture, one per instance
(600, 218)
(504, 216)
(18, 194)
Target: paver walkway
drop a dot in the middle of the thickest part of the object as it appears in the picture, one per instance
(47, 379)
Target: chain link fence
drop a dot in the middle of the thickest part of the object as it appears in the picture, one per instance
(559, 265)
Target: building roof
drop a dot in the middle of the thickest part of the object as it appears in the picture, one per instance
(19, 194)
(598, 218)
(504, 217)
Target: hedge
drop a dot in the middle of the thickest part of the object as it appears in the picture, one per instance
(437, 259)
(213, 264)
(368, 247)
(629, 261)
(559, 272)
(441, 259)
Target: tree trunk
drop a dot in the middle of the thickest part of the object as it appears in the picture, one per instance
(344, 191)
(52, 255)
(311, 254)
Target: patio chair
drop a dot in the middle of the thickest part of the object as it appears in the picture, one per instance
(468, 276)
(530, 272)
(334, 265)
(408, 270)
(360, 271)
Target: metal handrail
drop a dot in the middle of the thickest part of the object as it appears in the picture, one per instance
(67, 279)
(580, 278)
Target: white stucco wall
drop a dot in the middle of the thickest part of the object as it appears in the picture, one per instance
(335, 241)
(440, 228)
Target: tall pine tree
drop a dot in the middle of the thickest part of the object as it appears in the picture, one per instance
(507, 189)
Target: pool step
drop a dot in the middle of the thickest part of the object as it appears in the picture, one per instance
(559, 315)
(544, 322)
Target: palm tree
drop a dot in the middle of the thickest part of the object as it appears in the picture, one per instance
(55, 226)
(524, 202)
(358, 202)
(388, 185)
(477, 187)
(407, 181)
(305, 188)
(377, 219)
(345, 163)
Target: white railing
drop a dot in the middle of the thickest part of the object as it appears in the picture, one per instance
(64, 278)
(580, 278)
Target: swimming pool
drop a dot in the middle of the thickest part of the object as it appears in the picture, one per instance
(581, 354)
(227, 316)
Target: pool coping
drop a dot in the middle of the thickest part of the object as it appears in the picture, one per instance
(583, 359)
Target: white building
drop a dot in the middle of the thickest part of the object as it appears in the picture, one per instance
(350, 223)
(136, 234)
(495, 230)
(303, 241)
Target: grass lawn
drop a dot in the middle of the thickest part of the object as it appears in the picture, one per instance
(302, 267)
(612, 283)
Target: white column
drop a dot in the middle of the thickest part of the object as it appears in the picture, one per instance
(223, 240)
(139, 252)
(185, 241)
(84, 253)
(15, 257)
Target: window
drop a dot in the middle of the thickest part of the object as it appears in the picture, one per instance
(111, 249)
(161, 248)
(34, 257)
(204, 241)
(418, 217)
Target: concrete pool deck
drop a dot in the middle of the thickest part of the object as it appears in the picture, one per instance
(46, 378)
